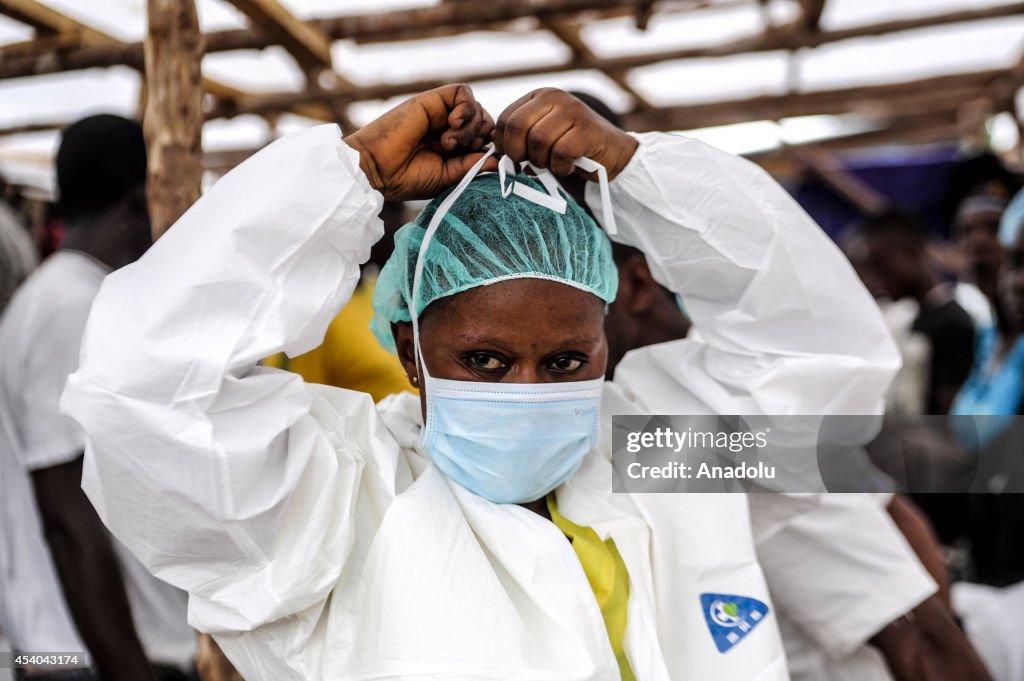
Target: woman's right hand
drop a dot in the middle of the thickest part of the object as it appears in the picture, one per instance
(425, 144)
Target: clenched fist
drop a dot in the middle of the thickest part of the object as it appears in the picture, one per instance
(552, 129)
(425, 144)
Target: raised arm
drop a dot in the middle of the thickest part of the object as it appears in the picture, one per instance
(197, 459)
(784, 325)
(238, 483)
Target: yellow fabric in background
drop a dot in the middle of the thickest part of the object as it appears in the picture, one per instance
(606, 572)
(350, 357)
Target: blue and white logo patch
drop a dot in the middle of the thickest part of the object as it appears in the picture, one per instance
(730, 618)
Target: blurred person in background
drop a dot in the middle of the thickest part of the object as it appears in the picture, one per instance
(995, 386)
(898, 257)
(896, 249)
(994, 396)
(17, 254)
(977, 188)
(992, 607)
(976, 238)
(908, 390)
(67, 585)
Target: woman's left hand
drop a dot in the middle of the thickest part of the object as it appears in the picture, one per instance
(552, 129)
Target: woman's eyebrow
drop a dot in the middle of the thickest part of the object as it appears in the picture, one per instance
(482, 339)
(575, 342)
(479, 339)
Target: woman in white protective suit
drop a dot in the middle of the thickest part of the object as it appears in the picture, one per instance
(323, 537)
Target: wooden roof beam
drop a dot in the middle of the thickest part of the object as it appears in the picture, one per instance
(49, 22)
(306, 42)
(419, 23)
(131, 55)
(422, 22)
(41, 15)
(689, 116)
(702, 115)
(66, 26)
(569, 33)
(822, 162)
(879, 100)
(913, 130)
(929, 127)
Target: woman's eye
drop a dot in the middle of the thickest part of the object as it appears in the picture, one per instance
(566, 364)
(485, 362)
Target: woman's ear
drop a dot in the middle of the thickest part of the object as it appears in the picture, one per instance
(406, 347)
(638, 290)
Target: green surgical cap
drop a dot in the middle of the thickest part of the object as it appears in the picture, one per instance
(486, 238)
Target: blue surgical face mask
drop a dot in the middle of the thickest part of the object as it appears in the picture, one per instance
(506, 442)
(510, 442)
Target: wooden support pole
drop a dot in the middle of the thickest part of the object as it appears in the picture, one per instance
(811, 11)
(173, 122)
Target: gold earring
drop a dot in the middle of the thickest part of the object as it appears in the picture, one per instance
(415, 380)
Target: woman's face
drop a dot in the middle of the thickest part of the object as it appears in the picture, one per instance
(516, 331)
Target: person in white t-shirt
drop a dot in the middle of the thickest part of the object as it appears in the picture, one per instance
(65, 584)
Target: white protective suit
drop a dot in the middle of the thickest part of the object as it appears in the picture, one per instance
(318, 541)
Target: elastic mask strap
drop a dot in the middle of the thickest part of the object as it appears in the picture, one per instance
(435, 222)
(588, 165)
(552, 200)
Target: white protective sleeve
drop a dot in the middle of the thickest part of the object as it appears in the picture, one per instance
(785, 328)
(185, 431)
(785, 325)
(841, 571)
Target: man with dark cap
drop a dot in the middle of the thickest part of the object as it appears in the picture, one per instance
(976, 236)
(65, 584)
